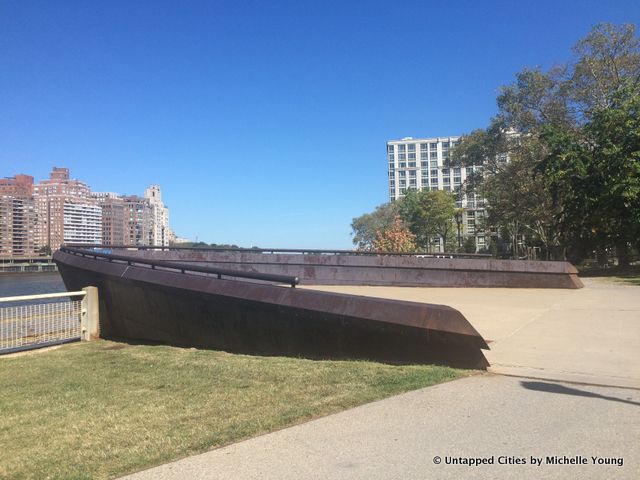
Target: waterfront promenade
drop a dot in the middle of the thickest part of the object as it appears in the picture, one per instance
(549, 337)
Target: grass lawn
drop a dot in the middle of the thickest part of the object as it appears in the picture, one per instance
(103, 409)
(631, 280)
(627, 275)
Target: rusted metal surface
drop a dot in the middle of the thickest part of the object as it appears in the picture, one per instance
(303, 251)
(142, 303)
(220, 272)
(397, 270)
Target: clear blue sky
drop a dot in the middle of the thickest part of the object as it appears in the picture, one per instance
(264, 122)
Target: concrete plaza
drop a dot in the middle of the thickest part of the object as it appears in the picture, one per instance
(590, 335)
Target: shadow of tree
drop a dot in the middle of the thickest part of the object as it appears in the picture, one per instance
(557, 388)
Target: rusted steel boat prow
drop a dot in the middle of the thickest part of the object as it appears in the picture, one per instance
(159, 305)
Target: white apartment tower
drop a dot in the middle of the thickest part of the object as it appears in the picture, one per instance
(159, 235)
(423, 163)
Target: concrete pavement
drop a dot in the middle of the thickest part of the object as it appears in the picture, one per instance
(495, 418)
(591, 335)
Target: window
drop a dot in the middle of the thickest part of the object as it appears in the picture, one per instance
(401, 148)
(446, 180)
(445, 145)
(433, 155)
(402, 174)
(391, 157)
(423, 147)
(411, 147)
(403, 183)
(434, 164)
(402, 165)
(412, 164)
(424, 173)
(445, 171)
(456, 180)
(412, 156)
(391, 174)
(390, 148)
(391, 166)
(392, 183)
(447, 188)
(412, 173)
(424, 164)
(433, 145)
(412, 182)
(471, 214)
(434, 181)
(402, 191)
(402, 156)
(424, 156)
(434, 173)
(456, 171)
(469, 170)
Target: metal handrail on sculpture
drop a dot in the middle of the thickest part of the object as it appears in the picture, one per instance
(284, 279)
(303, 251)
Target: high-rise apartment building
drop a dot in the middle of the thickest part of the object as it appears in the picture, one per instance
(17, 217)
(423, 163)
(113, 225)
(67, 211)
(138, 221)
(160, 214)
(82, 223)
(64, 210)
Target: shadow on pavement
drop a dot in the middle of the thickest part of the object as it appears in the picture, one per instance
(557, 388)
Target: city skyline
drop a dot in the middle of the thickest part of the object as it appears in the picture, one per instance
(36, 218)
(276, 115)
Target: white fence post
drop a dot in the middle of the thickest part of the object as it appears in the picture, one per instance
(90, 319)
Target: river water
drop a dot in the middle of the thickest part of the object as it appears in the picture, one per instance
(13, 284)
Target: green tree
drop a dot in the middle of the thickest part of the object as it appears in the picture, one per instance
(562, 131)
(429, 214)
(365, 227)
(595, 175)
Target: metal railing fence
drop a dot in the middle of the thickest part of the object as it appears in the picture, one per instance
(30, 325)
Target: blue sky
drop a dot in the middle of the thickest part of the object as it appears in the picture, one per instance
(264, 122)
